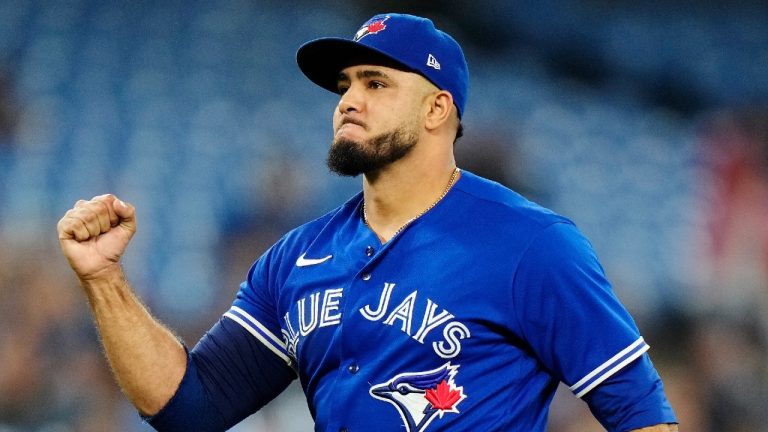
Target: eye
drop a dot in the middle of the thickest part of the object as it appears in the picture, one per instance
(342, 88)
(376, 85)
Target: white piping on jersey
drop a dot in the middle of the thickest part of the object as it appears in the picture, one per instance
(615, 363)
(259, 331)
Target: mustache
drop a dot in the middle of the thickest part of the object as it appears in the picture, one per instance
(354, 121)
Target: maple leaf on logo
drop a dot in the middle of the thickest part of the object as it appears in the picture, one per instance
(443, 397)
(376, 26)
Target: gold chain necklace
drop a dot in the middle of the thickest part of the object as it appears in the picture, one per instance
(445, 192)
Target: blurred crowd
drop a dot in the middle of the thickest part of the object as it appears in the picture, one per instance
(708, 334)
(712, 355)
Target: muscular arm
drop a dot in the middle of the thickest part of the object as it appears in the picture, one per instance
(146, 358)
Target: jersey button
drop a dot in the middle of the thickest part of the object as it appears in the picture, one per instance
(369, 251)
(353, 368)
(366, 276)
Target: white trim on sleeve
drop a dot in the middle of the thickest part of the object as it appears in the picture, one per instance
(258, 330)
(610, 367)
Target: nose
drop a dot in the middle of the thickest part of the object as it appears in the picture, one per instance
(350, 101)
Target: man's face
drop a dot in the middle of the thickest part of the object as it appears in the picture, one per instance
(378, 119)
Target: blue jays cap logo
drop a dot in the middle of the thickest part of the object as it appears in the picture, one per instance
(372, 26)
(421, 396)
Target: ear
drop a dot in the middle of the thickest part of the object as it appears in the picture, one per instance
(439, 109)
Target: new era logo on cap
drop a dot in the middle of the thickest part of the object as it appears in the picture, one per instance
(432, 62)
(403, 40)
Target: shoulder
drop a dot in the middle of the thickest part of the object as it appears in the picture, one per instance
(301, 238)
(497, 205)
(275, 265)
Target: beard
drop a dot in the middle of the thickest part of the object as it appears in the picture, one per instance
(350, 158)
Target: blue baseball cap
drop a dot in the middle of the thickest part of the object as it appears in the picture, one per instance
(405, 42)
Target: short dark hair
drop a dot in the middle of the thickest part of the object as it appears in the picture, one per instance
(459, 132)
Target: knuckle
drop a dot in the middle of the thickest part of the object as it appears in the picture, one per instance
(65, 224)
(87, 216)
(98, 205)
(72, 213)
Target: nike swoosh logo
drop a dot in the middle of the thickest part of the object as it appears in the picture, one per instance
(303, 262)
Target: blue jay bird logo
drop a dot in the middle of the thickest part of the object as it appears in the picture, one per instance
(373, 26)
(421, 396)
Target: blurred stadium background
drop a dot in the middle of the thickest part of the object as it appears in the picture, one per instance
(645, 122)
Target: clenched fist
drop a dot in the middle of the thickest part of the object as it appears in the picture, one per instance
(94, 234)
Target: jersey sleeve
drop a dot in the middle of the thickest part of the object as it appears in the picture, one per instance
(255, 306)
(238, 366)
(567, 312)
(229, 376)
(633, 398)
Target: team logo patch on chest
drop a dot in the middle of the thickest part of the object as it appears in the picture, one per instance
(419, 397)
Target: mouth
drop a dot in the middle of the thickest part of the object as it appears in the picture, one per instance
(349, 124)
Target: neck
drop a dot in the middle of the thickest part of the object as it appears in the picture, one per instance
(403, 192)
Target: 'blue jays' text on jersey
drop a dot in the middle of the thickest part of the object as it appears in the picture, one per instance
(465, 320)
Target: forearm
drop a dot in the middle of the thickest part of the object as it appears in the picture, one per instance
(147, 359)
(658, 428)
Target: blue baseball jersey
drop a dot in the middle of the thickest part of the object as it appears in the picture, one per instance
(467, 319)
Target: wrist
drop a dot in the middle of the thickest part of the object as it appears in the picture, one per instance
(111, 273)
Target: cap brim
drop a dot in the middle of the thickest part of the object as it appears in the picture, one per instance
(321, 60)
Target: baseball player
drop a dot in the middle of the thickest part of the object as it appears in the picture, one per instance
(434, 300)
